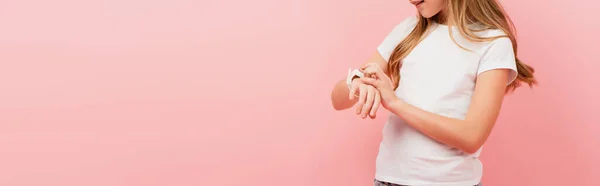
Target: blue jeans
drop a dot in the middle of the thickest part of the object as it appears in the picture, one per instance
(381, 183)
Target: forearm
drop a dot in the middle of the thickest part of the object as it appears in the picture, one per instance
(456, 133)
(339, 97)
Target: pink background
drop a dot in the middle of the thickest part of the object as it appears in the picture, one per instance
(233, 92)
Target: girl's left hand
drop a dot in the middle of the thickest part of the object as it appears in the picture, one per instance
(375, 76)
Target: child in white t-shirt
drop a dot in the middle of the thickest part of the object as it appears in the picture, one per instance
(443, 75)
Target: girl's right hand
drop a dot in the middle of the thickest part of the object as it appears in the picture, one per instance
(369, 98)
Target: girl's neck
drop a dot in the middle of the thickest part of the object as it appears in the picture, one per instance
(442, 17)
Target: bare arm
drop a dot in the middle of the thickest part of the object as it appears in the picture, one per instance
(340, 93)
(472, 132)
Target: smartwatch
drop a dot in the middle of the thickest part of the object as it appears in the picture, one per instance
(353, 74)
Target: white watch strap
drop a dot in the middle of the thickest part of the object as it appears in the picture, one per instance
(351, 74)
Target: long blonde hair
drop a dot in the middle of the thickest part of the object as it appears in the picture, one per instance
(487, 13)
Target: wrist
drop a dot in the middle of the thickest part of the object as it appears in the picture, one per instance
(354, 78)
(396, 103)
(353, 75)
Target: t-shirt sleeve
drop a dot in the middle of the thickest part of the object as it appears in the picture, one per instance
(397, 34)
(500, 55)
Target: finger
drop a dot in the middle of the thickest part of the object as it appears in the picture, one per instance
(371, 81)
(374, 71)
(369, 71)
(369, 65)
(361, 98)
(369, 102)
(372, 68)
(380, 74)
(376, 104)
(366, 65)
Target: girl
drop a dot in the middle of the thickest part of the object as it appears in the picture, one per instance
(443, 75)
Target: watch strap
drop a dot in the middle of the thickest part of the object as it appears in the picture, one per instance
(353, 73)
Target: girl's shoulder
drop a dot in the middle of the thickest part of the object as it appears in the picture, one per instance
(408, 23)
(488, 33)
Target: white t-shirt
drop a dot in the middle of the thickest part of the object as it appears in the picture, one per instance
(437, 76)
